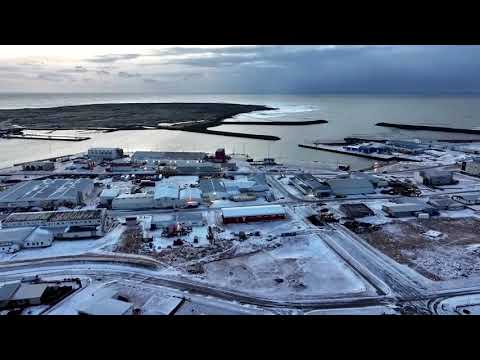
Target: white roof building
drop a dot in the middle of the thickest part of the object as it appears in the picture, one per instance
(106, 306)
(166, 191)
(253, 211)
(191, 194)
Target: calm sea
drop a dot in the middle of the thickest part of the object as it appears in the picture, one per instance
(347, 115)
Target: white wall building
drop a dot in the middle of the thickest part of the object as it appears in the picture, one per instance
(14, 239)
(133, 202)
(166, 195)
(100, 154)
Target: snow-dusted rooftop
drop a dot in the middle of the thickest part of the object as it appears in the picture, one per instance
(163, 190)
(253, 211)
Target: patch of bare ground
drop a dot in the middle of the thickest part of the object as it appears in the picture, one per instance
(131, 241)
(453, 255)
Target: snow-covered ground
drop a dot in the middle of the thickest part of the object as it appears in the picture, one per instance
(370, 310)
(302, 266)
(464, 305)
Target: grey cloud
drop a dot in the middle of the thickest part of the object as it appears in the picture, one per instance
(124, 74)
(76, 69)
(53, 76)
(102, 72)
(110, 58)
(150, 81)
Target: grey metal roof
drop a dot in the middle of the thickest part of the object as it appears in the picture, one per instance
(15, 235)
(310, 181)
(350, 186)
(35, 190)
(407, 207)
(162, 155)
(212, 185)
(29, 291)
(7, 291)
(53, 216)
(106, 307)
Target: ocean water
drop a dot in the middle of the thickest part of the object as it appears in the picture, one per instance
(347, 116)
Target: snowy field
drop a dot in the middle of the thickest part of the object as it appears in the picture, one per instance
(303, 266)
(455, 254)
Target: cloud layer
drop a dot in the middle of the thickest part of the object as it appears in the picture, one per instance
(255, 69)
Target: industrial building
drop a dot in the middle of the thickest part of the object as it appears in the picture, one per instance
(191, 194)
(471, 167)
(105, 301)
(350, 186)
(6, 293)
(434, 177)
(14, 239)
(106, 307)
(55, 219)
(213, 189)
(356, 210)
(307, 184)
(23, 294)
(28, 295)
(107, 195)
(159, 156)
(39, 166)
(409, 209)
(101, 154)
(374, 148)
(376, 181)
(445, 203)
(133, 201)
(220, 156)
(253, 213)
(407, 146)
(166, 195)
(46, 193)
(199, 169)
(467, 199)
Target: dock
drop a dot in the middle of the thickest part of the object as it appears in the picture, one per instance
(46, 137)
(276, 123)
(429, 128)
(339, 150)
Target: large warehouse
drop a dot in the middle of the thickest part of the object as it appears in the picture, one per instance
(14, 239)
(253, 213)
(343, 187)
(213, 189)
(166, 195)
(44, 193)
(53, 219)
(159, 156)
(100, 154)
(133, 202)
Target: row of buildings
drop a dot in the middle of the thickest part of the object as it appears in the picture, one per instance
(390, 146)
(46, 193)
(39, 229)
(169, 194)
(355, 184)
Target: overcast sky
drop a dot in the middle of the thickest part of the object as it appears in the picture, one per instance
(241, 69)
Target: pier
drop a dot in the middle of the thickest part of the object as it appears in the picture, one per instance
(340, 150)
(45, 137)
(429, 128)
(276, 123)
